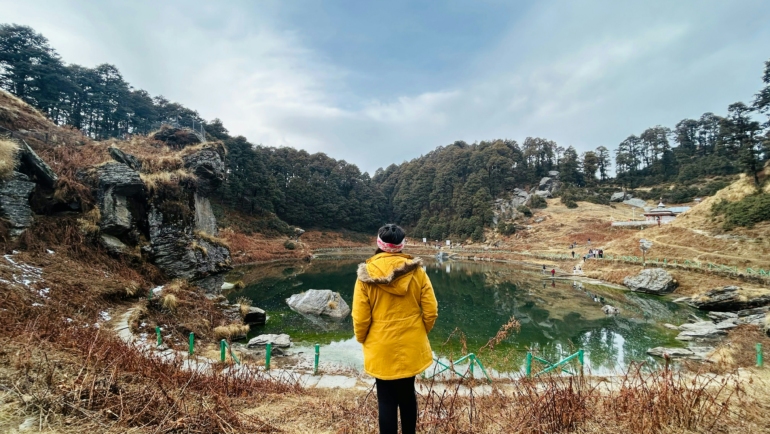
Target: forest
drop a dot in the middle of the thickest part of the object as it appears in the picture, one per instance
(448, 191)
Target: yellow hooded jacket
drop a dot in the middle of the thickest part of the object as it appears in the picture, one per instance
(394, 308)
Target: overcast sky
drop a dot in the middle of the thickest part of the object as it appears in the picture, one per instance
(376, 83)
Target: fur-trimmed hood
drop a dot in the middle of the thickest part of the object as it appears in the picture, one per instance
(392, 272)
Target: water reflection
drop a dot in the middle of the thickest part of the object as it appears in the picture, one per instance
(556, 317)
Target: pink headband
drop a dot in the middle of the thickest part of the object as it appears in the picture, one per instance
(390, 248)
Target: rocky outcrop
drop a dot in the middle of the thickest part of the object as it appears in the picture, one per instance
(505, 209)
(610, 310)
(651, 281)
(553, 174)
(32, 164)
(14, 203)
(123, 180)
(277, 341)
(204, 216)
(209, 166)
(176, 137)
(319, 302)
(125, 158)
(620, 196)
(727, 298)
(179, 253)
(547, 187)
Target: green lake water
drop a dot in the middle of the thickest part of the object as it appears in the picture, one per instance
(476, 299)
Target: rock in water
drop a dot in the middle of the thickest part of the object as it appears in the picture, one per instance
(278, 341)
(651, 281)
(255, 316)
(14, 202)
(319, 302)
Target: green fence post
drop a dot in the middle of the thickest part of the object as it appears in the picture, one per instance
(529, 365)
(470, 367)
(759, 355)
(157, 334)
(222, 345)
(317, 353)
(149, 295)
(192, 343)
(269, 350)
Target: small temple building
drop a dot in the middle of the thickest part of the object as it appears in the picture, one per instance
(665, 215)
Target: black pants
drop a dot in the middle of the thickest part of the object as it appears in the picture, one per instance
(391, 396)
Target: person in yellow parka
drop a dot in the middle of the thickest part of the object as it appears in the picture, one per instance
(394, 308)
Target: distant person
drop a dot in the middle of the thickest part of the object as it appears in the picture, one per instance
(589, 241)
(543, 268)
(394, 309)
(553, 273)
(658, 221)
(601, 253)
(573, 254)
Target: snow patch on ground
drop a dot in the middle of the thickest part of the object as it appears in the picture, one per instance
(105, 316)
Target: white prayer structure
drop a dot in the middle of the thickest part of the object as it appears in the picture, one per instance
(448, 243)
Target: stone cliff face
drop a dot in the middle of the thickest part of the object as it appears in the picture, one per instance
(166, 218)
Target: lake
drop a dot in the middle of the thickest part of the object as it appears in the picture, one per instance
(475, 299)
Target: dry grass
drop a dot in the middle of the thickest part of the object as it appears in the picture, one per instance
(212, 239)
(8, 151)
(244, 303)
(230, 331)
(155, 181)
(170, 302)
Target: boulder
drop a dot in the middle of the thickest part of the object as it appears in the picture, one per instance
(651, 281)
(639, 203)
(208, 165)
(728, 298)
(553, 174)
(112, 244)
(36, 167)
(14, 202)
(619, 196)
(255, 316)
(115, 216)
(544, 193)
(319, 302)
(674, 353)
(125, 158)
(610, 310)
(278, 341)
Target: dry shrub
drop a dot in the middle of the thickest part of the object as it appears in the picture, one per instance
(170, 302)
(89, 223)
(230, 331)
(243, 305)
(8, 151)
(69, 191)
(164, 163)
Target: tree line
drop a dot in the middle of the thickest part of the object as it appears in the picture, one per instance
(97, 101)
(449, 191)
